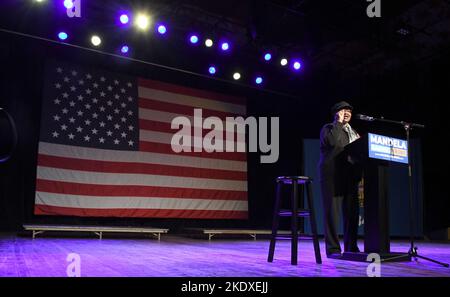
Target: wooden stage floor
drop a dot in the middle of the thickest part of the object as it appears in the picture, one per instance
(176, 256)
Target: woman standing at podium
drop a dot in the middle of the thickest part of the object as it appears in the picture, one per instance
(339, 181)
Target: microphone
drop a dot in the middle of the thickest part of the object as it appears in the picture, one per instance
(364, 117)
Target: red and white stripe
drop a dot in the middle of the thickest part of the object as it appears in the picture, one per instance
(154, 181)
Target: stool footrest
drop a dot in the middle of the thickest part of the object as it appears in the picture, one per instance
(290, 179)
(300, 213)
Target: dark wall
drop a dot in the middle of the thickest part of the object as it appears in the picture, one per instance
(410, 92)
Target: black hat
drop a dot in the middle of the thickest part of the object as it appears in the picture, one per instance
(341, 105)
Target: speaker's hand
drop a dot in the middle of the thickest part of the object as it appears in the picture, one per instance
(339, 116)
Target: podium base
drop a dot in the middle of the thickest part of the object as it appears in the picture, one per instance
(384, 257)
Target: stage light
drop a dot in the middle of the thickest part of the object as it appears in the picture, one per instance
(258, 80)
(209, 42)
(124, 19)
(225, 46)
(142, 21)
(212, 70)
(236, 75)
(283, 62)
(193, 39)
(68, 4)
(62, 35)
(39, 1)
(124, 49)
(297, 65)
(162, 29)
(96, 41)
(267, 56)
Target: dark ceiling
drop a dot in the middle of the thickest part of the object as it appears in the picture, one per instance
(339, 32)
(333, 36)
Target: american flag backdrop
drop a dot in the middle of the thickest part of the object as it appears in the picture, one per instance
(104, 150)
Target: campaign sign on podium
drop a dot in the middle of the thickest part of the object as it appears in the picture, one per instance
(388, 148)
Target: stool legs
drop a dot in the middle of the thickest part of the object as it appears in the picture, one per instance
(294, 225)
(313, 224)
(275, 223)
(294, 222)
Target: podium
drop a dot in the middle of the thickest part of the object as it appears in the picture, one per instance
(373, 153)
